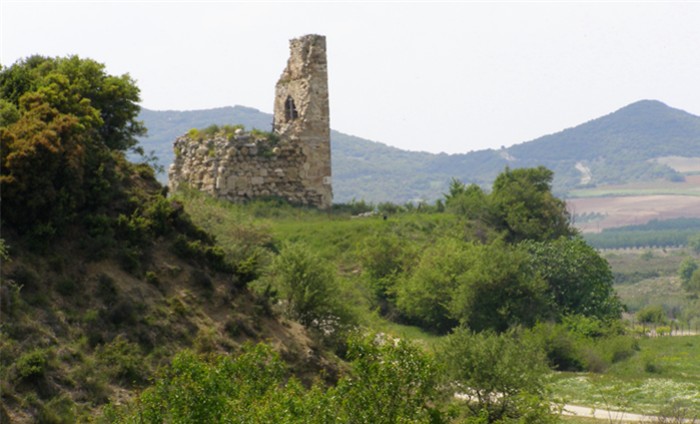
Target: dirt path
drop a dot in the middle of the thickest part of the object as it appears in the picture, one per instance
(604, 414)
(612, 416)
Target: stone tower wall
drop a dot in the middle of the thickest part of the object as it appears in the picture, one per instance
(295, 166)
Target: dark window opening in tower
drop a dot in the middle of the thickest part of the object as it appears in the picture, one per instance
(290, 109)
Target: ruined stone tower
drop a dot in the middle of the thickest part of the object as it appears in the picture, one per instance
(301, 110)
(294, 163)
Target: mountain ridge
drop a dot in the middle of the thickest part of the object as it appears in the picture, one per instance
(613, 149)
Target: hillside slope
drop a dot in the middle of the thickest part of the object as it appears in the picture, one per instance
(88, 318)
(616, 148)
(613, 149)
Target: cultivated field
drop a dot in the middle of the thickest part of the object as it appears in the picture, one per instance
(631, 204)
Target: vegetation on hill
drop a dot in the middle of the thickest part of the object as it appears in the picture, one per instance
(118, 304)
(103, 278)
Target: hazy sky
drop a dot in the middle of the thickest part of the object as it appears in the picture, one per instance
(451, 76)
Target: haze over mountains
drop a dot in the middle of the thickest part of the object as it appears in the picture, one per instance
(618, 148)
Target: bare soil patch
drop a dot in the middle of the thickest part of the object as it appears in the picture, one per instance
(633, 210)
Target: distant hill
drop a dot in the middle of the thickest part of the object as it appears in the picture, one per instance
(615, 149)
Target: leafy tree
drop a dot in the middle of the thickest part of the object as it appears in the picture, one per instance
(106, 104)
(480, 286)
(8, 113)
(392, 381)
(692, 285)
(194, 390)
(426, 296)
(694, 243)
(388, 382)
(499, 290)
(66, 124)
(525, 207)
(309, 288)
(500, 376)
(385, 257)
(686, 270)
(469, 201)
(579, 280)
(652, 314)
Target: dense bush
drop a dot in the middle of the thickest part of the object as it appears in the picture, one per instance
(69, 125)
(425, 297)
(202, 253)
(521, 205)
(582, 343)
(501, 377)
(562, 347)
(652, 314)
(308, 286)
(123, 361)
(483, 287)
(388, 382)
(385, 257)
(579, 280)
(33, 365)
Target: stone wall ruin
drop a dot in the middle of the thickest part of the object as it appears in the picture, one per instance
(294, 163)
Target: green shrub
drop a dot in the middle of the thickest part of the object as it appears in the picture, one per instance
(686, 269)
(392, 381)
(130, 259)
(354, 207)
(106, 289)
(309, 287)
(651, 365)
(59, 410)
(122, 312)
(66, 286)
(594, 360)
(123, 361)
(502, 376)
(384, 258)
(25, 277)
(10, 297)
(425, 297)
(33, 364)
(199, 252)
(160, 215)
(652, 314)
(388, 381)
(193, 133)
(205, 342)
(663, 330)
(694, 243)
(135, 229)
(92, 380)
(152, 278)
(59, 158)
(562, 347)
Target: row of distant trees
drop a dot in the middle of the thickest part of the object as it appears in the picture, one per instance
(660, 234)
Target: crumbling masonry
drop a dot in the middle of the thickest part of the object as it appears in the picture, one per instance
(294, 164)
